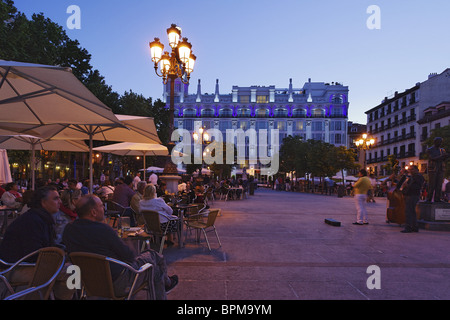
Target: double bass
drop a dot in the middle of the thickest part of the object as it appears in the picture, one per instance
(395, 211)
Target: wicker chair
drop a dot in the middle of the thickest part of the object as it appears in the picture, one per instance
(50, 262)
(204, 222)
(97, 280)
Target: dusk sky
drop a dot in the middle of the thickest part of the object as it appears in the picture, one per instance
(266, 42)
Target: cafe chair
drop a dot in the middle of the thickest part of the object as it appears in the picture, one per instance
(204, 225)
(153, 227)
(97, 281)
(49, 263)
(114, 210)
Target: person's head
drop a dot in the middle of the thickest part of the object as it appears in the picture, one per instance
(90, 207)
(149, 192)
(128, 180)
(46, 198)
(141, 186)
(26, 197)
(69, 199)
(72, 184)
(362, 173)
(12, 186)
(413, 169)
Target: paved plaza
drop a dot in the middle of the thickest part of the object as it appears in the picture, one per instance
(276, 246)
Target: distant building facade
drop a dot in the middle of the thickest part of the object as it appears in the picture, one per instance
(401, 123)
(316, 111)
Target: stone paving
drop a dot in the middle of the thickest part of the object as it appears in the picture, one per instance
(276, 246)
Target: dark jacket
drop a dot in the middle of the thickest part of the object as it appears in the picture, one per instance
(30, 232)
(84, 235)
(414, 185)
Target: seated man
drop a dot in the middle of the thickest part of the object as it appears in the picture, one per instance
(33, 230)
(90, 234)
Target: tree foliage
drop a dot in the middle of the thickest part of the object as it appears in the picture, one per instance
(318, 158)
(42, 41)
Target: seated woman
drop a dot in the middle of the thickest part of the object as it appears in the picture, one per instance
(151, 202)
(69, 202)
(12, 198)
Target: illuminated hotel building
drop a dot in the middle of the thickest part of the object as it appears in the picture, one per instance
(316, 111)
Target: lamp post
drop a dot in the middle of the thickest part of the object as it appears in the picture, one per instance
(365, 142)
(201, 138)
(179, 64)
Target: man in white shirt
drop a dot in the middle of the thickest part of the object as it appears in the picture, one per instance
(136, 180)
(153, 179)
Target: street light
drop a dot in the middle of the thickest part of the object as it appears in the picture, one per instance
(179, 64)
(365, 143)
(201, 138)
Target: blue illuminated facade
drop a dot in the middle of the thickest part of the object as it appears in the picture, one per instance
(316, 111)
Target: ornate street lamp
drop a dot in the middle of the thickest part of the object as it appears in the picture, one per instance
(365, 143)
(179, 64)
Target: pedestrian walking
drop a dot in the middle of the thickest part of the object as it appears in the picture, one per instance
(361, 187)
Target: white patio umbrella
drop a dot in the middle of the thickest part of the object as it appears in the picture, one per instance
(130, 129)
(41, 94)
(155, 169)
(28, 142)
(49, 98)
(5, 172)
(135, 149)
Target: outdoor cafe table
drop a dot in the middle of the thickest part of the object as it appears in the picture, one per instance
(180, 211)
(135, 238)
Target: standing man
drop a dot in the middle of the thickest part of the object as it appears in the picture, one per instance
(411, 191)
(136, 180)
(436, 170)
(153, 179)
(361, 187)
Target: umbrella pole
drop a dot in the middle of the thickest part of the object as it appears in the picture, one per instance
(144, 165)
(33, 164)
(91, 164)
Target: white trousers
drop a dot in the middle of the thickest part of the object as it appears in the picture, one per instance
(361, 212)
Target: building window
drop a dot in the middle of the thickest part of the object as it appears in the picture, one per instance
(280, 113)
(188, 124)
(244, 99)
(318, 113)
(244, 125)
(190, 113)
(244, 113)
(318, 136)
(209, 113)
(262, 113)
(299, 113)
(262, 99)
(317, 126)
(280, 125)
(337, 112)
(226, 113)
(336, 126)
(261, 125)
(224, 125)
(299, 125)
(337, 98)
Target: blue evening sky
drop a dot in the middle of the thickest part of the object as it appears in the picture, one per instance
(265, 42)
